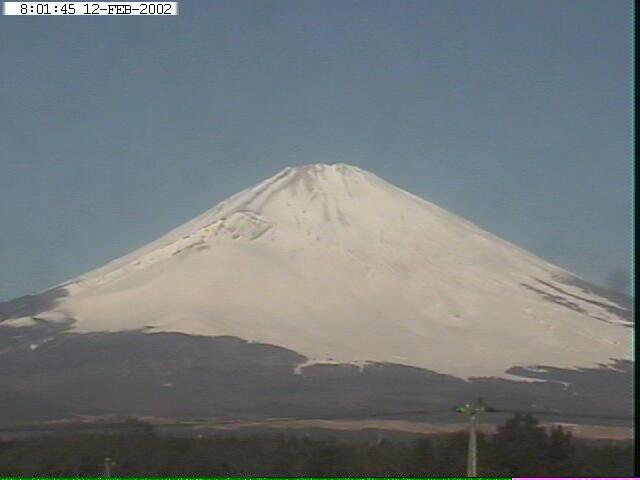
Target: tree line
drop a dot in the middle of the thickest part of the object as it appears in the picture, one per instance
(520, 447)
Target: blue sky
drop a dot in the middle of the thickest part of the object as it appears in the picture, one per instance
(515, 115)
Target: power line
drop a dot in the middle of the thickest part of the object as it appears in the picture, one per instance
(338, 417)
(137, 424)
(561, 414)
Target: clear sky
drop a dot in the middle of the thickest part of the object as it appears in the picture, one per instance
(514, 114)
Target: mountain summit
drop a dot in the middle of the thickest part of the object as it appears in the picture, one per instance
(339, 266)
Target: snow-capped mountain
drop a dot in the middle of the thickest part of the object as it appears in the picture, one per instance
(339, 266)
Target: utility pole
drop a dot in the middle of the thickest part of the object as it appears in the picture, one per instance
(108, 463)
(472, 410)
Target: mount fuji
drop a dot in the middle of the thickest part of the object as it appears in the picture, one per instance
(323, 288)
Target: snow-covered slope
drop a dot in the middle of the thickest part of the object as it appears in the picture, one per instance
(340, 266)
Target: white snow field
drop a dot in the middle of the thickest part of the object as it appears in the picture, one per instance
(340, 266)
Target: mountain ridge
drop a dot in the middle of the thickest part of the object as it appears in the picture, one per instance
(336, 264)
